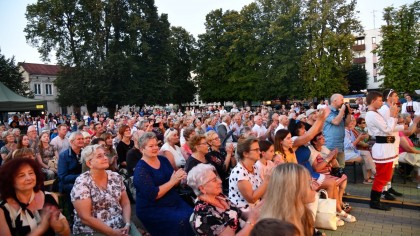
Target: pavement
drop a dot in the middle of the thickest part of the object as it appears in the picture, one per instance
(403, 219)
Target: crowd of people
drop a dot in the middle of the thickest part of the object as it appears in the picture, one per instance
(201, 172)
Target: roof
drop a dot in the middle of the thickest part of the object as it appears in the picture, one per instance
(10, 101)
(40, 69)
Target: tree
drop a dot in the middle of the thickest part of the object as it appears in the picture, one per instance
(357, 77)
(329, 26)
(399, 50)
(12, 78)
(181, 85)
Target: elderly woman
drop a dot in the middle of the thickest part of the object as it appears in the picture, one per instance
(213, 213)
(10, 145)
(158, 205)
(246, 188)
(289, 192)
(47, 156)
(171, 150)
(352, 154)
(99, 198)
(199, 148)
(23, 201)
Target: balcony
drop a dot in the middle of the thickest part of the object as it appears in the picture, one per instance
(359, 60)
(358, 48)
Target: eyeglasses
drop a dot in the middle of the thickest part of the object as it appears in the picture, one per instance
(212, 180)
(202, 144)
(255, 149)
(390, 92)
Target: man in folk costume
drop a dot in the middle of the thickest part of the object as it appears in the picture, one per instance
(390, 98)
(383, 151)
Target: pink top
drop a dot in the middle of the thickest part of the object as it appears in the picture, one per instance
(401, 134)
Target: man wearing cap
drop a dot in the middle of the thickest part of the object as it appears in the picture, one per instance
(311, 116)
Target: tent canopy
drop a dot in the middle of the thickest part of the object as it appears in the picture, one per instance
(10, 101)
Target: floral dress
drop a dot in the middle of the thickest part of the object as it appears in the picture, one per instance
(210, 220)
(105, 202)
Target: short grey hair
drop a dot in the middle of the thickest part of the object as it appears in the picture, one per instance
(197, 176)
(142, 141)
(89, 151)
(74, 134)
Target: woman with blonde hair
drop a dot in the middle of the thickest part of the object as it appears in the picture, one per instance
(171, 150)
(289, 191)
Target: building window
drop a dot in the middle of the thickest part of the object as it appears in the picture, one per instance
(37, 89)
(360, 41)
(373, 40)
(375, 78)
(375, 65)
(48, 89)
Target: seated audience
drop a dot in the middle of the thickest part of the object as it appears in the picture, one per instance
(289, 192)
(246, 188)
(185, 148)
(351, 154)
(171, 150)
(213, 213)
(47, 156)
(199, 149)
(158, 205)
(101, 204)
(25, 209)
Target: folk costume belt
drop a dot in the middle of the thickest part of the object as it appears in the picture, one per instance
(385, 159)
(385, 139)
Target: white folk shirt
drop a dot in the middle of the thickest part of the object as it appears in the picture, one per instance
(379, 126)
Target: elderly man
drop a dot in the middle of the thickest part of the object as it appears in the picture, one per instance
(61, 142)
(259, 129)
(70, 165)
(237, 125)
(283, 123)
(33, 137)
(224, 131)
(334, 127)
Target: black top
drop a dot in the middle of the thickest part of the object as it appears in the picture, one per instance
(133, 156)
(191, 162)
(122, 150)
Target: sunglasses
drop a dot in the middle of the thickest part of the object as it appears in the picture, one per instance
(390, 92)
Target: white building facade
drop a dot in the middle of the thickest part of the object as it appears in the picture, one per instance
(363, 54)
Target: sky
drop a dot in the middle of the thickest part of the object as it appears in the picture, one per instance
(190, 14)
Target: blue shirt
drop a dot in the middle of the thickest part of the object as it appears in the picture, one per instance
(334, 134)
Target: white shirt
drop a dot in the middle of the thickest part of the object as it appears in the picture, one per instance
(178, 157)
(60, 144)
(279, 127)
(259, 130)
(379, 126)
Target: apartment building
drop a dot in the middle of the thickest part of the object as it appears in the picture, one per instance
(363, 55)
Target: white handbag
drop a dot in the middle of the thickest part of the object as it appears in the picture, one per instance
(326, 213)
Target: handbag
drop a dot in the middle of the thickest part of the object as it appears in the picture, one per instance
(326, 213)
(337, 172)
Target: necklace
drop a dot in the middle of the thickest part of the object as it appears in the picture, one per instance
(101, 186)
(250, 171)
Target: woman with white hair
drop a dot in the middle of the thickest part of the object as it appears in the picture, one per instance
(99, 197)
(213, 213)
(171, 150)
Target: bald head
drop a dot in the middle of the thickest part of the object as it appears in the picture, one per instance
(337, 100)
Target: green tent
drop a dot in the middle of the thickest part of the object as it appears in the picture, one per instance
(10, 101)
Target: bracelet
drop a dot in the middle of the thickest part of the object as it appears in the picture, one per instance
(127, 224)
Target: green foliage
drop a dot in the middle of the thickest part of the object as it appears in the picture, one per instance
(277, 49)
(114, 51)
(12, 78)
(400, 48)
(357, 77)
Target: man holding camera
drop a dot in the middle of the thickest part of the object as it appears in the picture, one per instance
(334, 126)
